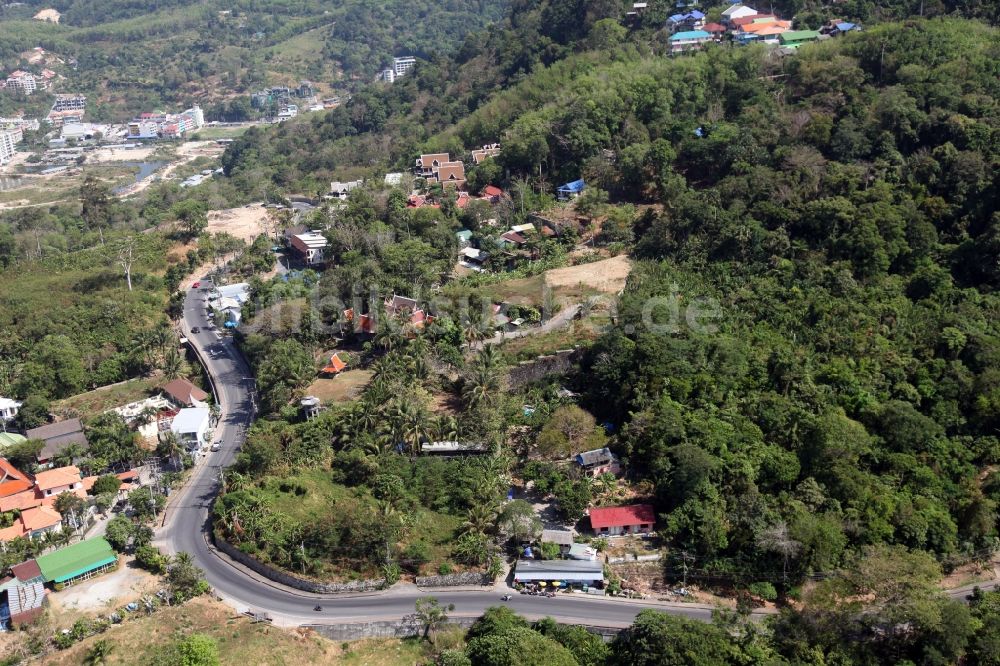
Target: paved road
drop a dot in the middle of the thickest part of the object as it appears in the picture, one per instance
(187, 524)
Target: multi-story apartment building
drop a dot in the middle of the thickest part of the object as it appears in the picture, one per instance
(9, 139)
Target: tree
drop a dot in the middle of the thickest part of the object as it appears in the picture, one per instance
(126, 257)
(151, 559)
(106, 483)
(657, 638)
(146, 503)
(184, 578)
(72, 508)
(776, 539)
(568, 431)
(96, 199)
(520, 522)
(118, 532)
(34, 411)
(192, 216)
(588, 648)
(433, 615)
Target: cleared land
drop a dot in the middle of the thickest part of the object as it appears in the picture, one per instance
(107, 397)
(345, 387)
(239, 641)
(245, 222)
(571, 284)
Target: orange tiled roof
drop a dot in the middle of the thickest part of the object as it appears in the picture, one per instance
(51, 500)
(40, 518)
(11, 480)
(60, 476)
(20, 501)
(12, 532)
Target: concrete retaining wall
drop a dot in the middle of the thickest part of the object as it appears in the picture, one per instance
(409, 627)
(452, 580)
(293, 581)
(527, 372)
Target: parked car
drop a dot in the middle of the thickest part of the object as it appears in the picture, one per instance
(196, 285)
(216, 446)
(195, 329)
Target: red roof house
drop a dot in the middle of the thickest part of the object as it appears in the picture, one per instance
(612, 520)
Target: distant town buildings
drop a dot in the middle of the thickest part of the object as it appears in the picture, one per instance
(149, 126)
(24, 82)
(68, 108)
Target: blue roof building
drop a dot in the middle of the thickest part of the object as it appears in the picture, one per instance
(571, 190)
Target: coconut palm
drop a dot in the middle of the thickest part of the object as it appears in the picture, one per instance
(410, 425)
(480, 519)
(69, 455)
(445, 428)
(172, 363)
(480, 385)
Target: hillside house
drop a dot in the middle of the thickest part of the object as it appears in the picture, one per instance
(616, 520)
(597, 462)
(340, 190)
(793, 39)
(571, 190)
(489, 150)
(8, 409)
(183, 393)
(736, 11)
(310, 247)
(54, 482)
(688, 40)
(335, 366)
(57, 437)
(562, 538)
(692, 20)
(191, 427)
(427, 166)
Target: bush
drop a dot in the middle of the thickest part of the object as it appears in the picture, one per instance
(763, 590)
(107, 483)
(445, 569)
(151, 559)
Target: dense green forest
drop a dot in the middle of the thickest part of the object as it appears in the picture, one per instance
(138, 56)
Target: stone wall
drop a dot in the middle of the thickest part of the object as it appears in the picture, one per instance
(557, 363)
(411, 626)
(452, 580)
(294, 581)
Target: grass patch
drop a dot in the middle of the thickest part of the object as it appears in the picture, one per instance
(345, 387)
(578, 333)
(211, 133)
(102, 399)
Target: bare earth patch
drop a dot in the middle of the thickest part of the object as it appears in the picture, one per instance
(245, 222)
(607, 276)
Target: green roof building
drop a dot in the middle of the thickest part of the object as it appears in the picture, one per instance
(77, 562)
(795, 38)
(10, 439)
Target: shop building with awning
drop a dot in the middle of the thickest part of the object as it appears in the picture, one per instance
(559, 573)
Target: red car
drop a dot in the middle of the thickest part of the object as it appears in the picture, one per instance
(196, 285)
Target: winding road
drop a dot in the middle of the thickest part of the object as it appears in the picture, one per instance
(186, 526)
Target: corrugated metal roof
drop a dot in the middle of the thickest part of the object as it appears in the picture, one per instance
(75, 560)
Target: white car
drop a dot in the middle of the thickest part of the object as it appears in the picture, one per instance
(216, 446)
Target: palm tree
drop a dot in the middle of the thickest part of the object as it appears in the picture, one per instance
(473, 333)
(480, 519)
(480, 386)
(69, 455)
(489, 357)
(172, 364)
(168, 447)
(410, 424)
(445, 428)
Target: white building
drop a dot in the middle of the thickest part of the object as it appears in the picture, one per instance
(191, 427)
(8, 140)
(388, 75)
(341, 190)
(310, 246)
(23, 81)
(401, 66)
(8, 409)
(737, 11)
